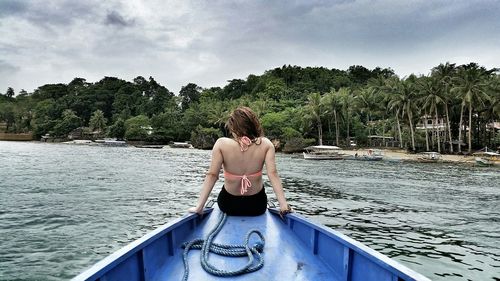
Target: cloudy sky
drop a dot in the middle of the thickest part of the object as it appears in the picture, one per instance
(210, 42)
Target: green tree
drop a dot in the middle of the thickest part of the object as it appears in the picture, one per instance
(403, 95)
(190, 94)
(67, 123)
(471, 84)
(445, 73)
(166, 125)
(8, 114)
(395, 102)
(234, 89)
(118, 129)
(346, 101)
(136, 128)
(315, 110)
(10, 92)
(98, 122)
(273, 124)
(333, 106)
(204, 138)
(432, 97)
(366, 103)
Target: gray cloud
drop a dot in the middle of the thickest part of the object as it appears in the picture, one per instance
(7, 68)
(207, 43)
(48, 13)
(114, 18)
(11, 7)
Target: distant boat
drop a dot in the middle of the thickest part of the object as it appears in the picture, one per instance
(323, 152)
(111, 142)
(181, 145)
(152, 146)
(295, 248)
(487, 158)
(429, 157)
(80, 142)
(371, 155)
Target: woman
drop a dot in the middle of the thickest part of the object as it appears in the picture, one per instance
(242, 158)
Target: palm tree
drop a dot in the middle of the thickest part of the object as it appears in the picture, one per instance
(401, 94)
(217, 113)
(366, 103)
(495, 97)
(346, 102)
(98, 121)
(471, 84)
(444, 73)
(431, 98)
(314, 108)
(493, 107)
(332, 104)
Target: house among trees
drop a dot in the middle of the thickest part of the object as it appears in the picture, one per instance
(433, 126)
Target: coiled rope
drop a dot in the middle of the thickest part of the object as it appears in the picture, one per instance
(234, 250)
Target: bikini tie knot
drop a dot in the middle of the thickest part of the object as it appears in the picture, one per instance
(245, 143)
(245, 184)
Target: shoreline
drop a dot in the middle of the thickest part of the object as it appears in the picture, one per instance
(389, 154)
(402, 155)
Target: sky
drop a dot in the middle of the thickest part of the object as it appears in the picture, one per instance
(211, 42)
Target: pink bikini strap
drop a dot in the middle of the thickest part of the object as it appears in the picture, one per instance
(244, 143)
(245, 182)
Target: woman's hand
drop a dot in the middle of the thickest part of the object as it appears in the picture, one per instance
(196, 210)
(285, 209)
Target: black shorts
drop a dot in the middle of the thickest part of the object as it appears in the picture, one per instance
(233, 205)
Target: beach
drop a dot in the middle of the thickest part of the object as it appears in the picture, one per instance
(400, 154)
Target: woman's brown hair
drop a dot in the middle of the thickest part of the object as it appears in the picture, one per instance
(244, 122)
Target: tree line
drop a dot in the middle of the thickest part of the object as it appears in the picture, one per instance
(298, 106)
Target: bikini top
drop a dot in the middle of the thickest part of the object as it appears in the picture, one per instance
(245, 182)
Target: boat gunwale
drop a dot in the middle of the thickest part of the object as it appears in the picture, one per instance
(100, 268)
(373, 255)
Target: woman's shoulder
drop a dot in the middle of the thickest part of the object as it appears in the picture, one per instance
(223, 140)
(265, 141)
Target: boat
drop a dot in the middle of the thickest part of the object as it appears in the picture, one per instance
(181, 145)
(111, 142)
(151, 146)
(323, 152)
(80, 142)
(295, 248)
(487, 158)
(429, 157)
(370, 155)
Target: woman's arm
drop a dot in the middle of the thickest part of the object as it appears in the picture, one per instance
(210, 179)
(272, 174)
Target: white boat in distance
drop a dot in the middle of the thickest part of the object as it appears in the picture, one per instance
(111, 142)
(323, 152)
(181, 145)
(487, 158)
(429, 157)
(370, 155)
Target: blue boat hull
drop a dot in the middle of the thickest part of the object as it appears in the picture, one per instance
(295, 249)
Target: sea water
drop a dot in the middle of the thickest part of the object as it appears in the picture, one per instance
(65, 207)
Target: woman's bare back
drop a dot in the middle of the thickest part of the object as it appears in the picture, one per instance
(239, 163)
